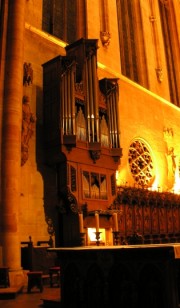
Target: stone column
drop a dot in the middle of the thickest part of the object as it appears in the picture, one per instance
(11, 140)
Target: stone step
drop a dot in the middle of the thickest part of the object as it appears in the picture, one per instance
(10, 292)
(49, 302)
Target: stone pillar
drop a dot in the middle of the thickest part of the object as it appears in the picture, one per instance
(11, 140)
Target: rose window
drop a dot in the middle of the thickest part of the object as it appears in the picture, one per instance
(140, 162)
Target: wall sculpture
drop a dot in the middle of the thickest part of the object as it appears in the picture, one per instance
(28, 125)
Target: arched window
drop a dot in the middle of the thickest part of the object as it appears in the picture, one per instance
(65, 19)
(171, 51)
(131, 41)
(141, 163)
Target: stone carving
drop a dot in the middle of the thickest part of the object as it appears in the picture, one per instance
(28, 74)
(159, 74)
(28, 123)
(105, 38)
(104, 23)
(172, 159)
(172, 165)
(168, 133)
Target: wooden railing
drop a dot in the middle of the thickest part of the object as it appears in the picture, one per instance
(153, 215)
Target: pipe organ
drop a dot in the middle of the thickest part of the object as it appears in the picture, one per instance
(81, 128)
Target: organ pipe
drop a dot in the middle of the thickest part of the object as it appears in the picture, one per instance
(68, 101)
(73, 101)
(110, 121)
(95, 97)
(114, 118)
(62, 102)
(117, 116)
(88, 103)
(65, 104)
(91, 99)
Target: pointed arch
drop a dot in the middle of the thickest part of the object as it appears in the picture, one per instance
(65, 19)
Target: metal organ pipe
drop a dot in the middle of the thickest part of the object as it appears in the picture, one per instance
(91, 99)
(117, 117)
(62, 102)
(112, 100)
(65, 105)
(95, 97)
(110, 120)
(73, 100)
(114, 118)
(88, 103)
(69, 102)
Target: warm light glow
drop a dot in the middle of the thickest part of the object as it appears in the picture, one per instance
(97, 221)
(136, 85)
(92, 235)
(176, 188)
(100, 65)
(45, 35)
(155, 186)
(117, 178)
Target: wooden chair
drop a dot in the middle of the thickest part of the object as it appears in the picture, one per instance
(35, 280)
(54, 272)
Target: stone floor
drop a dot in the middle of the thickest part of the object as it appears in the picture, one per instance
(50, 297)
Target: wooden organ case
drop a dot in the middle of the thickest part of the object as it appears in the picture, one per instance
(81, 129)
